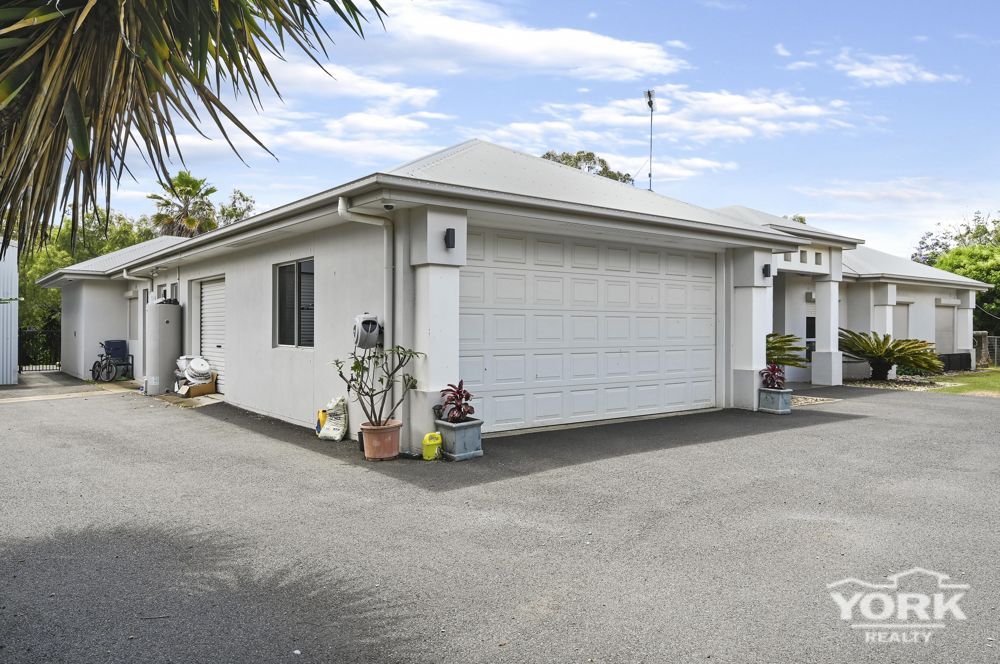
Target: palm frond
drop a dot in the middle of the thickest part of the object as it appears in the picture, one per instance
(82, 82)
(785, 350)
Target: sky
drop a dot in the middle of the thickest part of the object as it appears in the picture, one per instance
(872, 119)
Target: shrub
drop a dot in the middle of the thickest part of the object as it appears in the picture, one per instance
(882, 352)
(455, 406)
(784, 350)
(773, 377)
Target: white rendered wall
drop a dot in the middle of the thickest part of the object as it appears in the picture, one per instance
(71, 334)
(8, 317)
(284, 382)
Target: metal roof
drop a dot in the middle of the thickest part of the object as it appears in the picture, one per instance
(110, 263)
(752, 216)
(481, 165)
(868, 262)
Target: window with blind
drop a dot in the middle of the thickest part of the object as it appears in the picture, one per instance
(294, 300)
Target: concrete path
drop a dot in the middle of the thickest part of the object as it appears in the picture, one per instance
(133, 531)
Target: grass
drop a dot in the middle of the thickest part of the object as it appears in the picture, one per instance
(985, 382)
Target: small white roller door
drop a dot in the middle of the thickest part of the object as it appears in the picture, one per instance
(213, 327)
(555, 330)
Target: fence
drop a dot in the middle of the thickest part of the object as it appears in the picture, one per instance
(38, 350)
(993, 350)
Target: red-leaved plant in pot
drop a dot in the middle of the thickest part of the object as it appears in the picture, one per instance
(774, 398)
(461, 434)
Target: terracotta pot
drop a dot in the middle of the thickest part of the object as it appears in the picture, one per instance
(381, 443)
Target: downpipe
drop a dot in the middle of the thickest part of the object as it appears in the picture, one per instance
(389, 279)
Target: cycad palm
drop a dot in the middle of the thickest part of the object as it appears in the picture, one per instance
(184, 207)
(882, 352)
(83, 82)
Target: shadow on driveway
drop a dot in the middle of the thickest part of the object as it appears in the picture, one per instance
(512, 456)
(148, 595)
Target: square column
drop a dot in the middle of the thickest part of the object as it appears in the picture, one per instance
(883, 302)
(435, 313)
(827, 360)
(964, 325)
(750, 322)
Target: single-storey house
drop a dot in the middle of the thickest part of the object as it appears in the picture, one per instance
(867, 290)
(8, 316)
(558, 296)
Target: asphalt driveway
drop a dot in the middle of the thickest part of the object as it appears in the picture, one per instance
(134, 531)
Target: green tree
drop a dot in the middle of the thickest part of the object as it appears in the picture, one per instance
(239, 206)
(184, 208)
(982, 229)
(40, 308)
(589, 163)
(982, 263)
(84, 83)
(798, 218)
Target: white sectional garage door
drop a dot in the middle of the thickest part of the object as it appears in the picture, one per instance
(213, 328)
(556, 330)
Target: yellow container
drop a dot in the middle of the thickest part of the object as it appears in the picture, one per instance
(432, 446)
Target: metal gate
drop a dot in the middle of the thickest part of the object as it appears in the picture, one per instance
(993, 351)
(38, 350)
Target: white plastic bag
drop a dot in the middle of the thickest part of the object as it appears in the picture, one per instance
(335, 426)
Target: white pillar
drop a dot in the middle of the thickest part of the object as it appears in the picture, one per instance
(435, 312)
(963, 324)
(883, 301)
(827, 360)
(750, 322)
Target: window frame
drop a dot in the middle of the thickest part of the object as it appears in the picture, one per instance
(819, 258)
(296, 266)
(803, 256)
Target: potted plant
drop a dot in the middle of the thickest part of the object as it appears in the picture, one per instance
(461, 435)
(882, 353)
(372, 375)
(774, 398)
(783, 350)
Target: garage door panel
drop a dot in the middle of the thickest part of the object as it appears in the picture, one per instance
(561, 330)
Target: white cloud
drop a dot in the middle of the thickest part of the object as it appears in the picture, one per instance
(677, 43)
(583, 90)
(685, 116)
(920, 38)
(456, 35)
(899, 189)
(591, 15)
(892, 214)
(782, 51)
(724, 5)
(799, 65)
(306, 77)
(886, 70)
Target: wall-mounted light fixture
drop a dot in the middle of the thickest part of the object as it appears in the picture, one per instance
(449, 238)
(766, 270)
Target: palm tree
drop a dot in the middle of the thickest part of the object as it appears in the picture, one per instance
(882, 352)
(83, 82)
(184, 207)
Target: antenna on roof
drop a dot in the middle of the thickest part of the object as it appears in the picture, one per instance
(650, 96)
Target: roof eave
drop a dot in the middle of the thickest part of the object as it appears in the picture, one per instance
(923, 281)
(842, 241)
